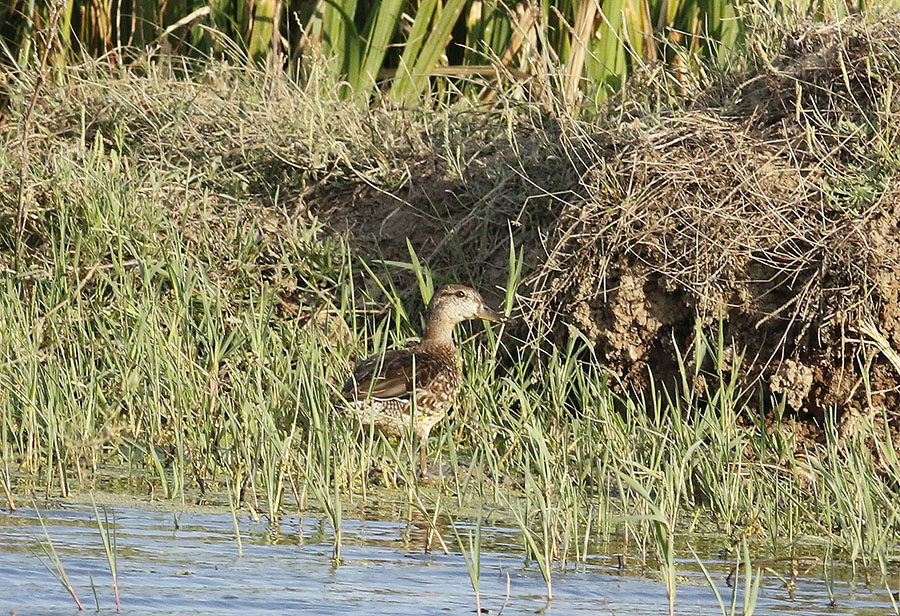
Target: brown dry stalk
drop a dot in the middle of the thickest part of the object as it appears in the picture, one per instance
(521, 28)
(581, 37)
(462, 71)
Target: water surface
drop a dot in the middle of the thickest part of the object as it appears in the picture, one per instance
(189, 563)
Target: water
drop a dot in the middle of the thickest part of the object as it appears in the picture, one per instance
(193, 567)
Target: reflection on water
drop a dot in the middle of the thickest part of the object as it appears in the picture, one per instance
(193, 567)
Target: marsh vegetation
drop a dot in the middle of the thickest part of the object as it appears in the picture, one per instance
(196, 252)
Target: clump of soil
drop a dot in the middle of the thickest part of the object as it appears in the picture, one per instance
(779, 219)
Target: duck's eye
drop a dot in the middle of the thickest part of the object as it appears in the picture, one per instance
(460, 294)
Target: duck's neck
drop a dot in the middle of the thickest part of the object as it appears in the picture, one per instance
(439, 333)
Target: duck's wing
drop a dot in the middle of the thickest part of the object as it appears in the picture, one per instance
(391, 377)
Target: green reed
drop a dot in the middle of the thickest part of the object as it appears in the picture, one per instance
(321, 468)
(751, 583)
(472, 556)
(568, 53)
(110, 548)
(58, 570)
(394, 49)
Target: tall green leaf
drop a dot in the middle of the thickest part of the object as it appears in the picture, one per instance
(341, 39)
(488, 30)
(411, 50)
(27, 34)
(379, 31)
(413, 74)
(263, 29)
(606, 66)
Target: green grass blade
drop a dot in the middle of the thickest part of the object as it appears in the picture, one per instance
(263, 29)
(606, 66)
(379, 31)
(403, 81)
(428, 57)
(340, 38)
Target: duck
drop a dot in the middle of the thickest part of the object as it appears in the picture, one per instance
(416, 386)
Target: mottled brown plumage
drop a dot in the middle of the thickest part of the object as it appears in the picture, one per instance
(380, 390)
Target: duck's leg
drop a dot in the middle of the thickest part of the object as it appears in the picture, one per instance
(423, 456)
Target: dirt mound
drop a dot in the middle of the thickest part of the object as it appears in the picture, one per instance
(779, 216)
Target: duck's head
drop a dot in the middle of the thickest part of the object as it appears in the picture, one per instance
(454, 303)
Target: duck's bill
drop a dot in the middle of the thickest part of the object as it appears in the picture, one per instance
(489, 314)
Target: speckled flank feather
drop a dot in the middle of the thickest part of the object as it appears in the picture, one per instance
(434, 396)
(381, 389)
